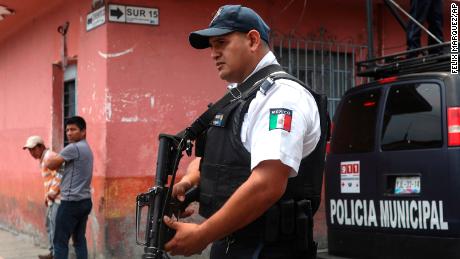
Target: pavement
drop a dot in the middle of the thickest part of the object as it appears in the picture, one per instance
(15, 245)
(19, 246)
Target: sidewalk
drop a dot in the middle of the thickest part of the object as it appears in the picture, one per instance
(21, 246)
(18, 246)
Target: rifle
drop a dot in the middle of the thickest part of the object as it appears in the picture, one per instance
(158, 198)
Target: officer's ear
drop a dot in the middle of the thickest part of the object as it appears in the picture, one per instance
(254, 39)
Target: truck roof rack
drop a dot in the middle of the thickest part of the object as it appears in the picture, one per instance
(402, 63)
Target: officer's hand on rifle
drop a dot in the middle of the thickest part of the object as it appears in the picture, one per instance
(178, 193)
(180, 188)
(190, 179)
(189, 238)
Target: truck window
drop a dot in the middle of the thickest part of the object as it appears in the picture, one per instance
(412, 118)
(355, 123)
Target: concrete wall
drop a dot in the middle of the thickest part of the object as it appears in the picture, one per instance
(29, 84)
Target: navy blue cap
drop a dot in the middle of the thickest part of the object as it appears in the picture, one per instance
(230, 18)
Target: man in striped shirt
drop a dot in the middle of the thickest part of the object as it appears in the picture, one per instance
(52, 179)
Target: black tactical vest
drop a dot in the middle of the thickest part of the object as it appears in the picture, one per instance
(225, 164)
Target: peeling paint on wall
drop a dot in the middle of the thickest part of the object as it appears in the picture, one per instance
(133, 106)
(114, 55)
(152, 101)
(133, 119)
(108, 105)
(134, 98)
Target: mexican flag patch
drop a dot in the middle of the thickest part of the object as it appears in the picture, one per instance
(280, 118)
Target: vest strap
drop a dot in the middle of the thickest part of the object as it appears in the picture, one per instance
(202, 123)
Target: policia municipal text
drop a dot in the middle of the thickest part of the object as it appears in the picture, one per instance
(259, 171)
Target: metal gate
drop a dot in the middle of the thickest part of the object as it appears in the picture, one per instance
(327, 67)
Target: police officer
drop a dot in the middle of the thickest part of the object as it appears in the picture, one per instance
(424, 10)
(252, 147)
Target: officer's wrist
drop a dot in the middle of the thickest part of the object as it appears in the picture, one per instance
(187, 183)
(206, 234)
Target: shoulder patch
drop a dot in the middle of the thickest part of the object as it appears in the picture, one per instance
(218, 120)
(280, 118)
(266, 85)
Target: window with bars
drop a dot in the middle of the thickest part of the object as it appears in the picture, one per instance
(70, 97)
(327, 68)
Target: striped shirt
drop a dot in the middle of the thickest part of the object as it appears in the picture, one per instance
(52, 179)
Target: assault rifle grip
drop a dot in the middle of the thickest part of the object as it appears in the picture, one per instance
(176, 206)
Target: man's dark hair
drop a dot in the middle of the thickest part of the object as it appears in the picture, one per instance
(76, 120)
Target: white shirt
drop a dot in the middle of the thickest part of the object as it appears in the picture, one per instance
(286, 140)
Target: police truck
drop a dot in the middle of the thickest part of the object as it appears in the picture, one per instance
(392, 176)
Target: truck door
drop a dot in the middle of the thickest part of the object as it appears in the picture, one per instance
(351, 172)
(413, 173)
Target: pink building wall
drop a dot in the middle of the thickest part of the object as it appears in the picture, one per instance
(134, 82)
(27, 107)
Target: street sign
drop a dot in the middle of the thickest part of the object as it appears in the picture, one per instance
(133, 14)
(141, 15)
(117, 13)
(95, 19)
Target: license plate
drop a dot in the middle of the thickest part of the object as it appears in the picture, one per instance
(407, 185)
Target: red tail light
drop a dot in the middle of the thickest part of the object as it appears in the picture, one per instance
(453, 126)
(369, 104)
(387, 80)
